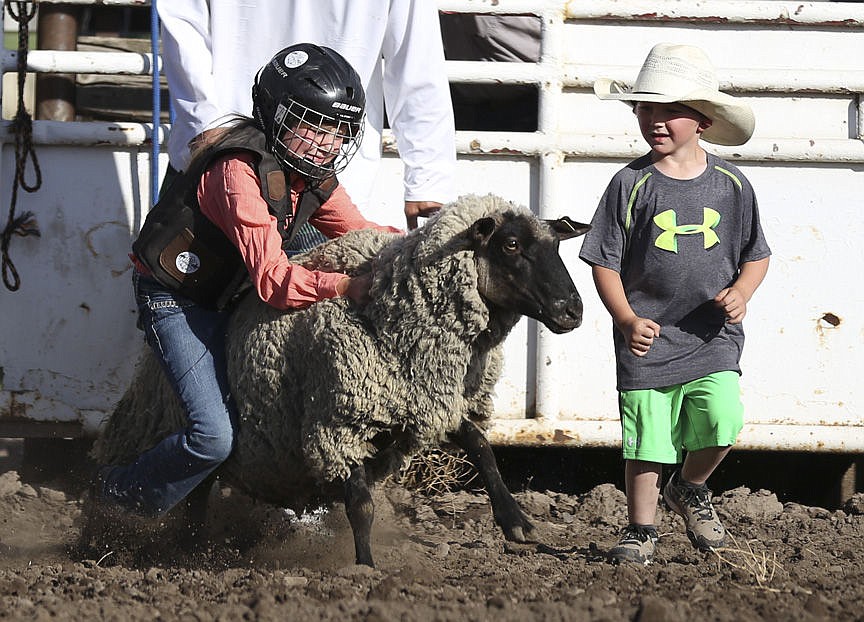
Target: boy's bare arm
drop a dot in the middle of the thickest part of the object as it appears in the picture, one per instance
(638, 331)
(733, 300)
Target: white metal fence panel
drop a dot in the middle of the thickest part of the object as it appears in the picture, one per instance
(67, 338)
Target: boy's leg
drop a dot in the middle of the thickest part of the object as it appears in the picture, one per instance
(642, 482)
(713, 417)
(700, 464)
(647, 432)
(638, 539)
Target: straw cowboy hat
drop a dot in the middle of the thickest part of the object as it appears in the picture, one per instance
(683, 74)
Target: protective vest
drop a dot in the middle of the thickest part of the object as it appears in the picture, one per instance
(187, 253)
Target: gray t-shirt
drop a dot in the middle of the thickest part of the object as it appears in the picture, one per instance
(676, 244)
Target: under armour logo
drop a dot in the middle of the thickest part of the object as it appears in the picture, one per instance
(668, 240)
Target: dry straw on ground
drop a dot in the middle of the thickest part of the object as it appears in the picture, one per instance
(760, 565)
(438, 471)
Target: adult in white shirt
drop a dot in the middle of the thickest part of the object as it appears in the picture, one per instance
(212, 50)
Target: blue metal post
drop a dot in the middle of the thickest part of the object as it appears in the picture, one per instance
(157, 104)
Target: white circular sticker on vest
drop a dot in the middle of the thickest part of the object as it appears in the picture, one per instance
(187, 262)
(296, 58)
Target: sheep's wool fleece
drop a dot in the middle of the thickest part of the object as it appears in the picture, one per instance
(327, 379)
(314, 387)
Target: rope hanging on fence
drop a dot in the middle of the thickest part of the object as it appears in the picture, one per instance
(25, 224)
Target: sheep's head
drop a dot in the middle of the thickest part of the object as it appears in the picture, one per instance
(519, 268)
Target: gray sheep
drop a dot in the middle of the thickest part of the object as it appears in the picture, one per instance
(336, 395)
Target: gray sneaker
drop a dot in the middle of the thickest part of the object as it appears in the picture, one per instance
(637, 544)
(693, 504)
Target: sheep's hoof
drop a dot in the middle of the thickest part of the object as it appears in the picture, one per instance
(365, 561)
(520, 533)
(515, 535)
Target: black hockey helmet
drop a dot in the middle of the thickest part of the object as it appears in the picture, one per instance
(308, 91)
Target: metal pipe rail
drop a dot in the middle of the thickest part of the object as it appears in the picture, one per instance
(582, 76)
(571, 75)
(728, 12)
(56, 61)
(101, 2)
(570, 146)
(543, 432)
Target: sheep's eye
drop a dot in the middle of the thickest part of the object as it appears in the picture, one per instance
(511, 246)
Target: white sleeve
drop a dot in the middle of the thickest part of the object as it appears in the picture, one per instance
(188, 65)
(417, 99)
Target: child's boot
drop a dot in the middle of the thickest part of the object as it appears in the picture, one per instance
(637, 544)
(693, 504)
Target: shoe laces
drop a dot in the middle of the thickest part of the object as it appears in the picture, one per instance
(698, 498)
(638, 533)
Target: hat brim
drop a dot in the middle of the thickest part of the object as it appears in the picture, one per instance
(732, 122)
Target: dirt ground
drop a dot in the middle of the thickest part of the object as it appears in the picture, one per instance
(438, 557)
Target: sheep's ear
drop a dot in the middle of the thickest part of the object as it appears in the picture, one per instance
(482, 230)
(565, 228)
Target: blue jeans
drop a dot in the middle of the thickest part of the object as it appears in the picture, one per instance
(189, 340)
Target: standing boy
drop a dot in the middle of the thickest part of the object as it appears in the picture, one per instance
(677, 251)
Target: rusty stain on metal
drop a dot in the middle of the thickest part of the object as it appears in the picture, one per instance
(520, 438)
(477, 147)
(828, 321)
(662, 17)
(824, 423)
(16, 409)
(560, 437)
(506, 151)
(832, 319)
(781, 18)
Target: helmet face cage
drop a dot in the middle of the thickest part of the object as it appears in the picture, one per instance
(315, 145)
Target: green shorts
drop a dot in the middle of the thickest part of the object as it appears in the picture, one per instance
(658, 425)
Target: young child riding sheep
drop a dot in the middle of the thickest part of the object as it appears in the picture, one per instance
(339, 393)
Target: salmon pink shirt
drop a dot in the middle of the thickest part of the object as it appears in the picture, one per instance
(229, 194)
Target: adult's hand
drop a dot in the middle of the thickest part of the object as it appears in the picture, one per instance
(414, 209)
(356, 288)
